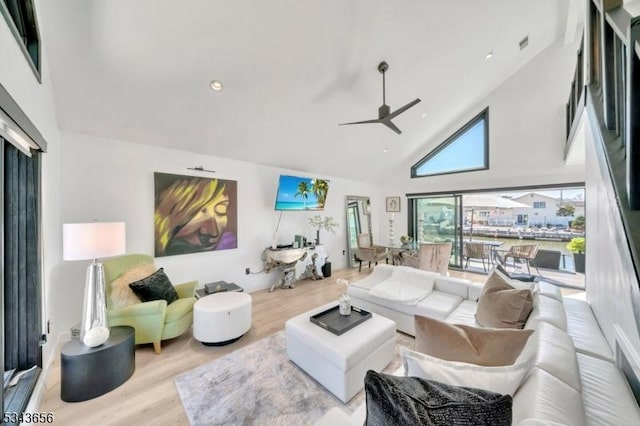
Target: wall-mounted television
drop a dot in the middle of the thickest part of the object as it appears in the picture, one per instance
(300, 193)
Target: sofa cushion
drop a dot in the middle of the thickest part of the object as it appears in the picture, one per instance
(452, 285)
(547, 289)
(464, 313)
(547, 309)
(406, 285)
(378, 275)
(121, 294)
(502, 380)
(438, 304)
(606, 394)
(554, 353)
(583, 328)
(547, 399)
(357, 291)
(474, 291)
(155, 287)
(482, 346)
(502, 306)
(404, 401)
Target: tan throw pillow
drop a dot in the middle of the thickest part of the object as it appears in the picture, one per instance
(482, 346)
(121, 294)
(502, 306)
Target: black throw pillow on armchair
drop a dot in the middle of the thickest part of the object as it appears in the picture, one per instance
(156, 286)
(396, 400)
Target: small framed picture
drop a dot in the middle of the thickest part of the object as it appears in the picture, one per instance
(393, 204)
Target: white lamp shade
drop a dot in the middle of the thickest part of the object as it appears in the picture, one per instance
(82, 241)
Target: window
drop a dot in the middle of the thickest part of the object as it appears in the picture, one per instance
(539, 204)
(620, 65)
(20, 257)
(21, 19)
(466, 150)
(595, 60)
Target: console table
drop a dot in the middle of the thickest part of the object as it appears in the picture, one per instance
(292, 262)
(90, 372)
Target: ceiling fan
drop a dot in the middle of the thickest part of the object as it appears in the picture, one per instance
(384, 112)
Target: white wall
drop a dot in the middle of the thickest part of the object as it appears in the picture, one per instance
(112, 180)
(526, 134)
(611, 282)
(36, 100)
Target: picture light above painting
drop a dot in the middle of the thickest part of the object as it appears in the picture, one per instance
(300, 193)
(194, 214)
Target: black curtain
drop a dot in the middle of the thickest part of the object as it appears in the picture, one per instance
(22, 292)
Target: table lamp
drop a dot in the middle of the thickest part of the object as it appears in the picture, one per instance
(83, 241)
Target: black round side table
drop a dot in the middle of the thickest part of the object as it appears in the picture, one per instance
(90, 372)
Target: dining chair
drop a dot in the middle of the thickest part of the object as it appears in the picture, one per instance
(479, 251)
(430, 257)
(367, 252)
(523, 253)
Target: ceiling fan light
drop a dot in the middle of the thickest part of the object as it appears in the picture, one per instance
(216, 85)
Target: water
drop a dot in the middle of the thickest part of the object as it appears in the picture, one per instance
(298, 205)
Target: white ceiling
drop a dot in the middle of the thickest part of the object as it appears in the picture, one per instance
(292, 70)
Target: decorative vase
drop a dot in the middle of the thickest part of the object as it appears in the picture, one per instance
(345, 305)
(318, 237)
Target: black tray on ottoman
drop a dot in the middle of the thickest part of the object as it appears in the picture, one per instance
(332, 321)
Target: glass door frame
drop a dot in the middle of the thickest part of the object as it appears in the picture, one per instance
(412, 222)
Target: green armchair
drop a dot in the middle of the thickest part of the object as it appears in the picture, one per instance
(153, 321)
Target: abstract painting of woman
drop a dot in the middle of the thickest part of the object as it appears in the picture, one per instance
(194, 214)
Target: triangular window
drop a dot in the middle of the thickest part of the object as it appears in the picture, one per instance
(464, 151)
(21, 19)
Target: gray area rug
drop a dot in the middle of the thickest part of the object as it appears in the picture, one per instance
(258, 384)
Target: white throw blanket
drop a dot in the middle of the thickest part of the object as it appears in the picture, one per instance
(406, 285)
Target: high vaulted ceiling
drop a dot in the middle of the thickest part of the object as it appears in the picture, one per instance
(140, 70)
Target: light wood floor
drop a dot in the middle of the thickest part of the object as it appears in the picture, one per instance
(150, 397)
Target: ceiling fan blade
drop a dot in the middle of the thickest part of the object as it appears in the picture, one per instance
(387, 122)
(377, 120)
(403, 109)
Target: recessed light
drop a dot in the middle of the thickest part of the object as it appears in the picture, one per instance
(489, 55)
(216, 85)
(385, 150)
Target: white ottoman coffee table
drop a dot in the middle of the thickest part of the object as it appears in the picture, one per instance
(340, 363)
(221, 318)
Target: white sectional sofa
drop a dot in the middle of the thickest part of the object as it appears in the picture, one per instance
(573, 380)
(443, 296)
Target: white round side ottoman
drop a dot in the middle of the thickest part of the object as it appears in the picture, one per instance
(221, 318)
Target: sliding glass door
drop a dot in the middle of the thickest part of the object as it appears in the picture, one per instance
(438, 219)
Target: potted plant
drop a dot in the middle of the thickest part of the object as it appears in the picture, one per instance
(327, 223)
(577, 246)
